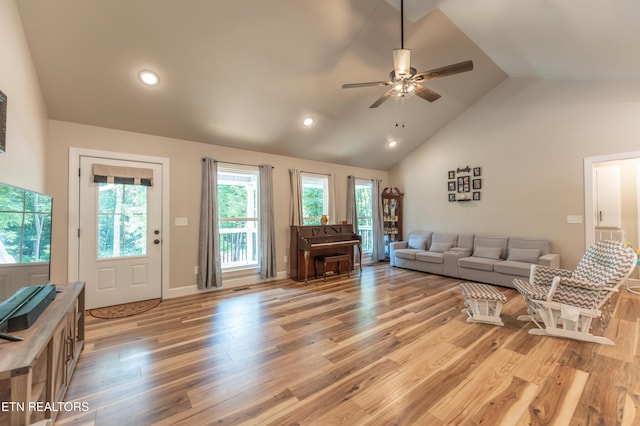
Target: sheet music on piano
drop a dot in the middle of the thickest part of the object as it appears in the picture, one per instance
(309, 241)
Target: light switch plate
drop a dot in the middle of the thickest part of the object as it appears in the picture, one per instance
(181, 221)
(574, 219)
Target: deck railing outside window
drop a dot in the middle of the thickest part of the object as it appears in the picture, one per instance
(366, 233)
(238, 246)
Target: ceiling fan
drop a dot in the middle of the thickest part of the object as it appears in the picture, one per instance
(405, 80)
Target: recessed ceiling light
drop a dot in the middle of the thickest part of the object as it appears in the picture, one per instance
(149, 78)
(308, 121)
(391, 144)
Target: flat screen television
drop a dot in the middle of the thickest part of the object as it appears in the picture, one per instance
(25, 239)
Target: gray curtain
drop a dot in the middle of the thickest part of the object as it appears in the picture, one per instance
(209, 265)
(377, 225)
(267, 228)
(296, 197)
(352, 208)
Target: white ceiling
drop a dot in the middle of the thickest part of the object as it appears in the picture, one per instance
(243, 73)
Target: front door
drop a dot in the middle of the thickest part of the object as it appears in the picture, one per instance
(120, 240)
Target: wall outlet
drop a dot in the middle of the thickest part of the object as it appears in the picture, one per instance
(286, 259)
(195, 270)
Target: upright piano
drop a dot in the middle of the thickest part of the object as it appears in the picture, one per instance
(310, 241)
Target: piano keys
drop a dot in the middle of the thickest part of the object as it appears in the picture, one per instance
(310, 241)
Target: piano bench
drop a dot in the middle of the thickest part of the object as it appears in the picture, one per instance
(333, 258)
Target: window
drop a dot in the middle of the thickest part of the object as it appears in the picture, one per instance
(364, 211)
(25, 226)
(315, 198)
(238, 216)
(122, 220)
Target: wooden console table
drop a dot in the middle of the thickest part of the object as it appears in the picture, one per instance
(37, 370)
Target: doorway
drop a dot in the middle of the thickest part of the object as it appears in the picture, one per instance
(627, 226)
(116, 239)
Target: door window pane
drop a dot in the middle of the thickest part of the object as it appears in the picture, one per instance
(122, 220)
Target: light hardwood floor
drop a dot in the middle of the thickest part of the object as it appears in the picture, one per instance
(388, 347)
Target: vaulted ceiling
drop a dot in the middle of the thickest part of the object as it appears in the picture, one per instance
(244, 73)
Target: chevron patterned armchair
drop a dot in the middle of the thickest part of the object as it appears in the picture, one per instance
(563, 303)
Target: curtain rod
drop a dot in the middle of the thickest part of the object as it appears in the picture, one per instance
(315, 173)
(372, 179)
(237, 164)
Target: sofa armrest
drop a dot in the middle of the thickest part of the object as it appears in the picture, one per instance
(398, 245)
(451, 260)
(552, 260)
(461, 251)
(392, 247)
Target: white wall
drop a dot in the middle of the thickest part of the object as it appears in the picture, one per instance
(530, 138)
(185, 165)
(24, 162)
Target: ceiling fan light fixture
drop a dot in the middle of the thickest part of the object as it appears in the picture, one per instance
(403, 89)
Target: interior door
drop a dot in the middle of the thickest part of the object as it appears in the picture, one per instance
(608, 197)
(120, 236)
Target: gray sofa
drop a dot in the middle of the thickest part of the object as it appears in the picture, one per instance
(481, 258)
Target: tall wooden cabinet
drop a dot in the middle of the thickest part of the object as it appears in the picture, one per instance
(392, 217)
(35, 373)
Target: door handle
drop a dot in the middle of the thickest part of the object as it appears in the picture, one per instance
(600, 213)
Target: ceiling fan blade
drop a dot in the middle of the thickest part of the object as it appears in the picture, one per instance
(444, 71)
(426, 94)
(370, 84)
(381, 99)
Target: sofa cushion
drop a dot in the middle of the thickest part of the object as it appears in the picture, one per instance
(530, 255)
(409, 254)
(445, 238)
(492, 241)
(419, 240)
(431, 257)
(438, 247)
(510, 267)
(531, 243)
(481, 263)
(487, 252)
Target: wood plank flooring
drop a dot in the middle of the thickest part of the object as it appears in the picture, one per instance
(390, 347)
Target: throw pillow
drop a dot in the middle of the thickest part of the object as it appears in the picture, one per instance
(440, 247)
(487, 252)
(524, 255)
(417, 243)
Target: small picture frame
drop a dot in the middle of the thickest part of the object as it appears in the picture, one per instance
(452, 185)
(452, 197)
(452, 174)
(477, 184)
(476, 196)
(476, 171)
(463, 184)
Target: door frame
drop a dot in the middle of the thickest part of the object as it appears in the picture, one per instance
(589, 185)
(73, 219)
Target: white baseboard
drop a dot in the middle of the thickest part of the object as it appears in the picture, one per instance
(226, 284)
